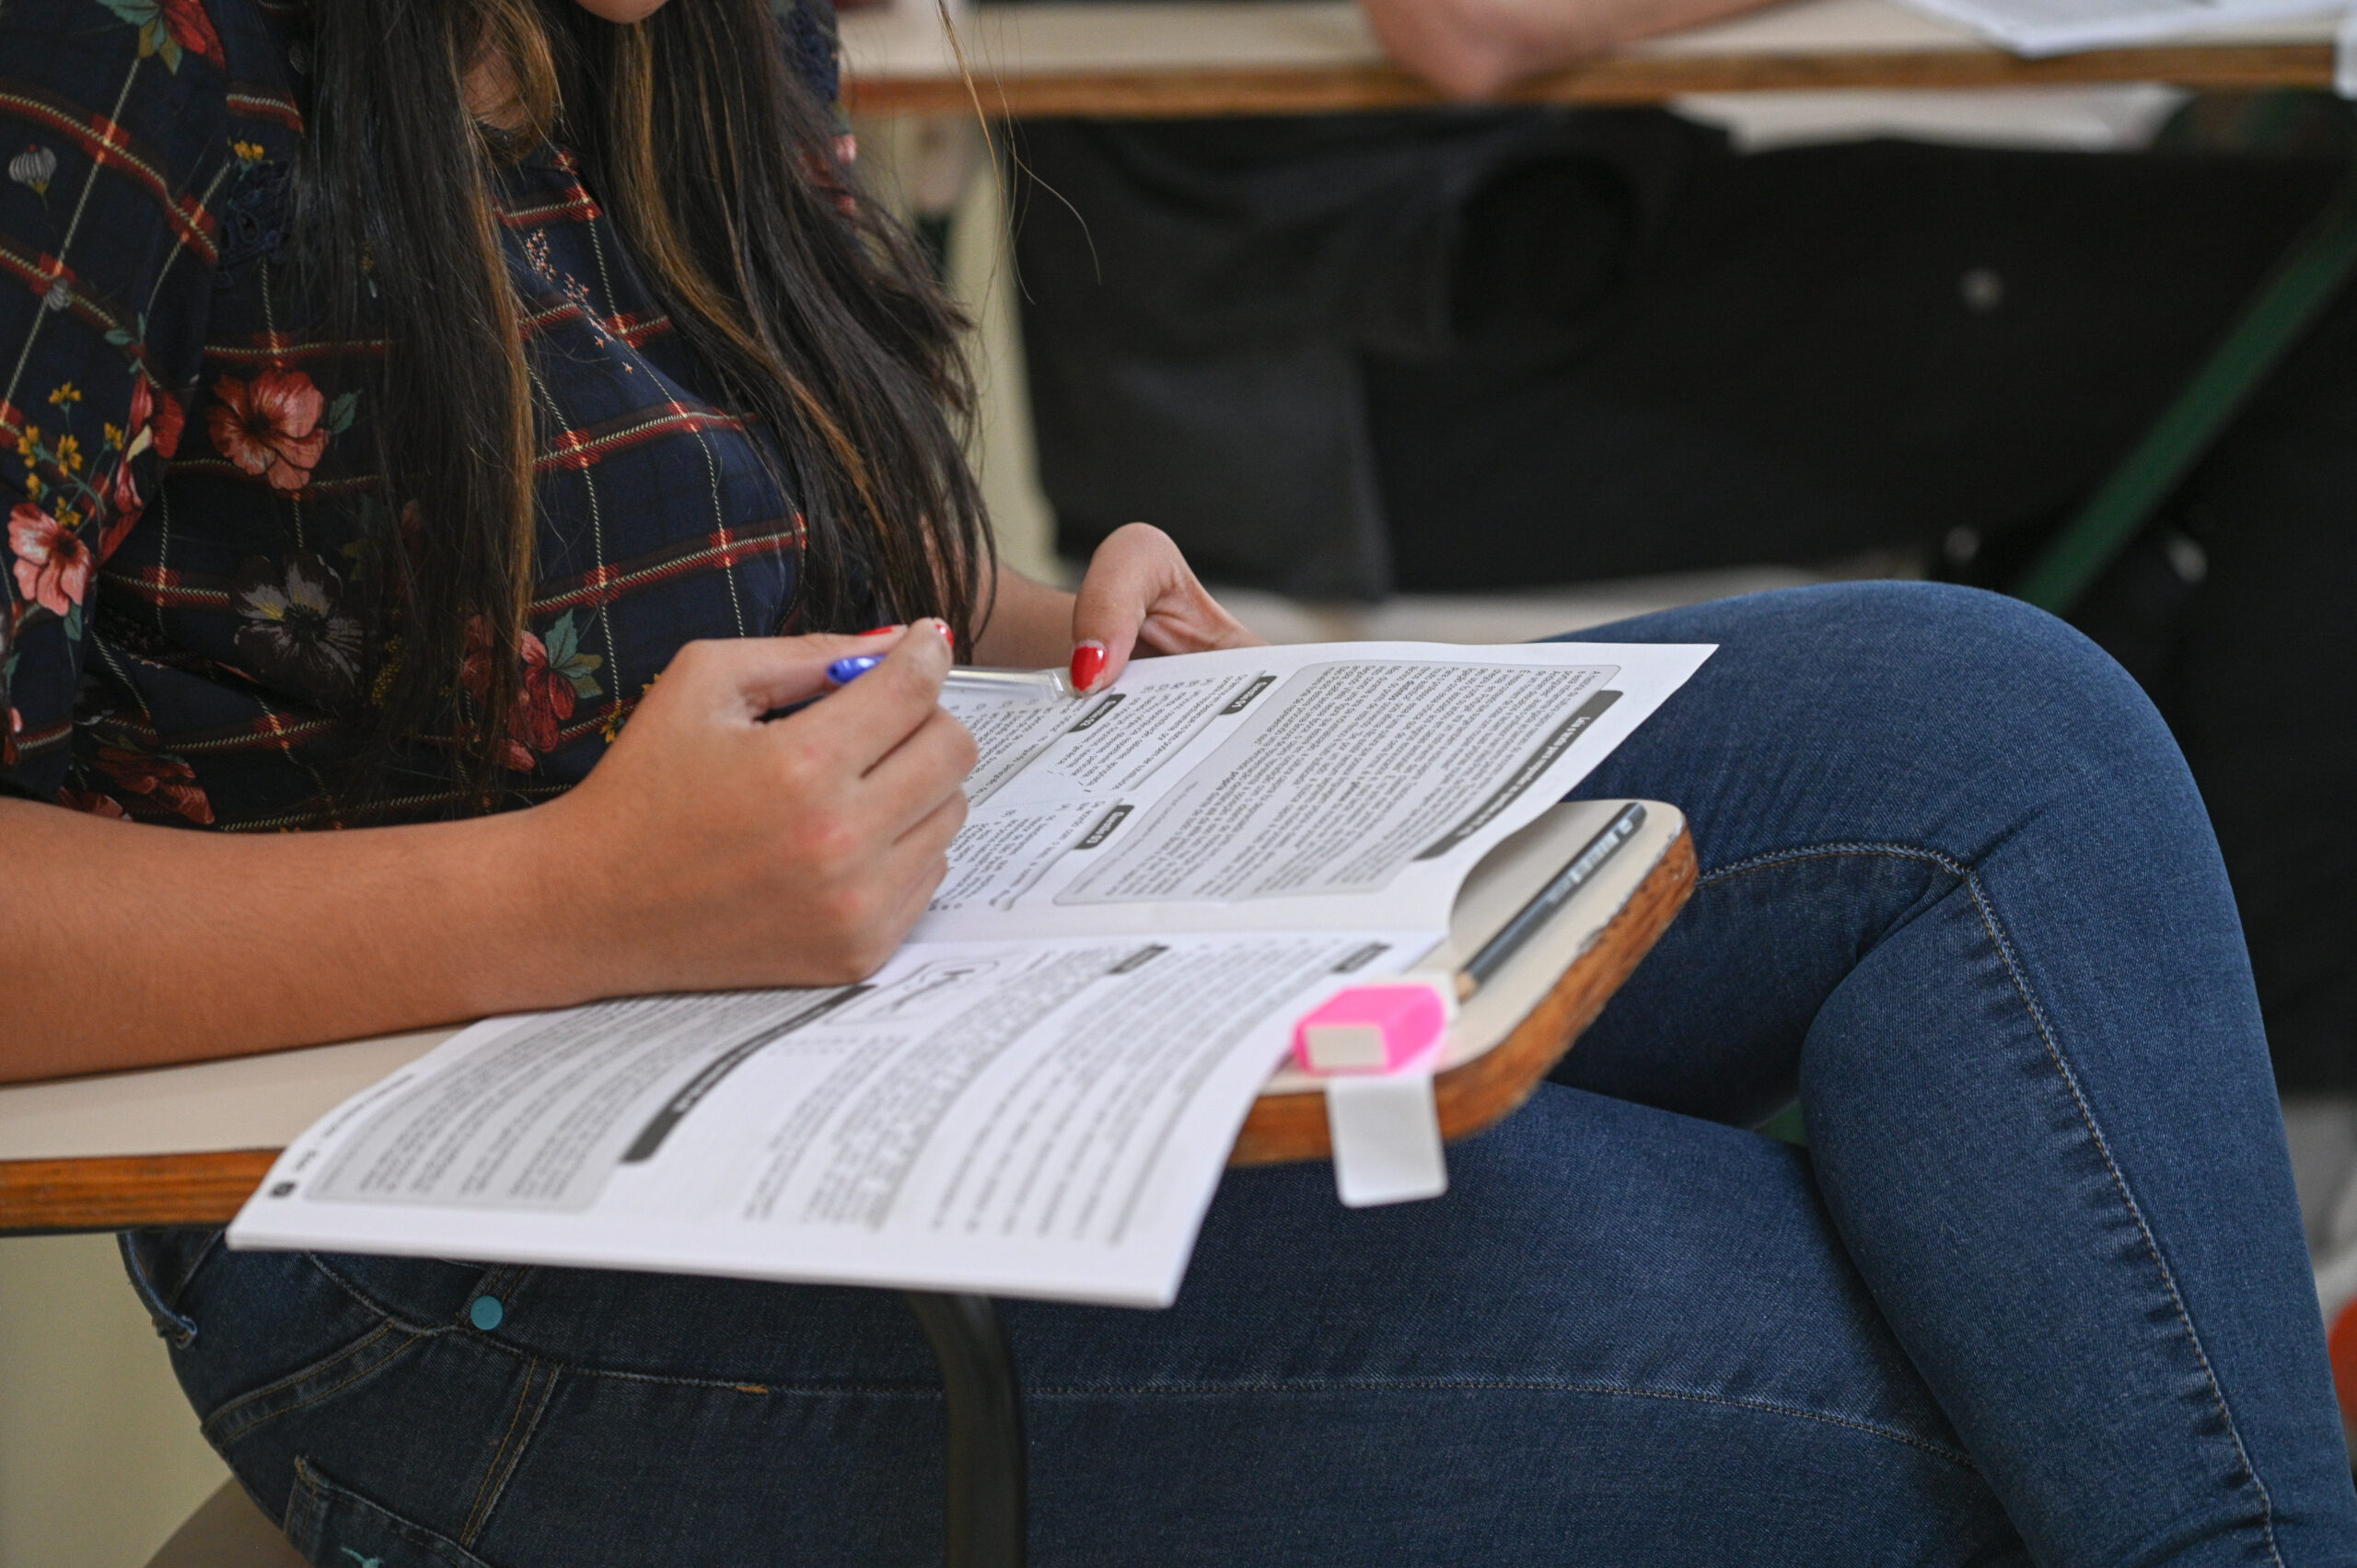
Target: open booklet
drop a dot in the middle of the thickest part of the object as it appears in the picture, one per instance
(1037, 1094)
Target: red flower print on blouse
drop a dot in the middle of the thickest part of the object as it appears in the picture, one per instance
(193, 29)
(269, 425)
(122, 496)
(546, 700)
(546, 696)
(169, 27)
(474, 674)
(167, 781)
(97, 805)
(52, 566)
(158, 419)
(155, 423)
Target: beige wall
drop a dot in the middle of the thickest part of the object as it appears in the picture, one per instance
(99, 1457)
(982, 273)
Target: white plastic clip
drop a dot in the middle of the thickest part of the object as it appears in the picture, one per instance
(1376, 1046)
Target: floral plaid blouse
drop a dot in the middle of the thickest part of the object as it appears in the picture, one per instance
(181, 473)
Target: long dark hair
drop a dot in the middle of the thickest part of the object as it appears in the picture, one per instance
(816, 315)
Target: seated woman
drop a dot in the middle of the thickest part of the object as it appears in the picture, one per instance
(430, 408)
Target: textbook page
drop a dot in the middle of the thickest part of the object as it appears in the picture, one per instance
(1334, 786)
(1042, 1119)
(2057, 26)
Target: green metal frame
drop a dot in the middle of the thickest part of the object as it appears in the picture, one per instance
(2299, 288)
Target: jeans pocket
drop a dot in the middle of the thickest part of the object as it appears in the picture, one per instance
(321, 1380)
(160, 1263)
(334, 1525)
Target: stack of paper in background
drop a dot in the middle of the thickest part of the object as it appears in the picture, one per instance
(2059, 27)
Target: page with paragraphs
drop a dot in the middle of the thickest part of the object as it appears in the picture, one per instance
(1042, 1118)
(1286, 788)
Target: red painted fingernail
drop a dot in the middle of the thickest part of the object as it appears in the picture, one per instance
(1087, 664)
(947, 633)
(879, 631)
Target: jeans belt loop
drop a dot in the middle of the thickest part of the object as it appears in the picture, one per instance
(169, 1324)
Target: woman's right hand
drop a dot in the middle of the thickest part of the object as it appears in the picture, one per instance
(713, 848)
(709, 848)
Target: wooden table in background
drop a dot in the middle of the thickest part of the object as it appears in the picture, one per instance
(1318, 56)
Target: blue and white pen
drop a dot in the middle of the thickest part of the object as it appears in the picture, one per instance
(965, 678)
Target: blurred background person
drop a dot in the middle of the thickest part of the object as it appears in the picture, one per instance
(1480, 348)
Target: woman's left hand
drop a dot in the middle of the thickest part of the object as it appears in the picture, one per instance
(1140, 595)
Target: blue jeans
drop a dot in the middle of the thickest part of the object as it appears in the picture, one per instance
(2036, 1291)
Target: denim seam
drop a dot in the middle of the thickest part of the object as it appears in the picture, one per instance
(929, 1389)
(372, 1305)
(932, 1392)
(328, 1392)
(538, 1374)
(311, 1485)
(1533, 1386)
(498, 1281)
(204, 1254)
(582, 1369)
(1986, 908)
(222, 1430)
(298, 1378)
(491, 1342)
(1945, 862)
(304, 1504)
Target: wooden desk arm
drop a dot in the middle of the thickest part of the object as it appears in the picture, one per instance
(117, 1192)
(1619, 78)
(1486, 1090)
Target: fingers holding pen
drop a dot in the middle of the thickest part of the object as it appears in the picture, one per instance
(923, 775)
(713, 845)
(870, 893)
(738, 679)
(918, 861)
(865, 720)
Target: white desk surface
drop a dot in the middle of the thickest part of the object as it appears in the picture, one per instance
(263, 1102)
(248, 1102)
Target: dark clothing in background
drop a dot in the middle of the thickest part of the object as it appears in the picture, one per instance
(1462, 350)
(2256, 669)
(1199, 298)
(1341, 355)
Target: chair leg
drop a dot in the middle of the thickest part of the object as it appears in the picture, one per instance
(984, 1511)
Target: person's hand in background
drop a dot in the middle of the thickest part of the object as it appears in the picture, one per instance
(1479, 49)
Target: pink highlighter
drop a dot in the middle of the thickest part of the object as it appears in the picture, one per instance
(1373, 1028)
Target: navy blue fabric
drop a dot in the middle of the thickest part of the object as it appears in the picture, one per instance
(2036, 1293)
(190, 541)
